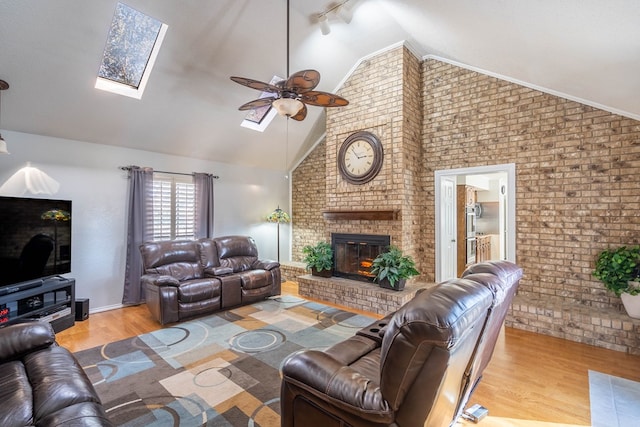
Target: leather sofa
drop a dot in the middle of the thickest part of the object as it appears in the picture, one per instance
(415, 367)
(187, 278)
(42, 384)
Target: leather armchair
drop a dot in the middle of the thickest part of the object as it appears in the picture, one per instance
(42, 383)
(415, 367)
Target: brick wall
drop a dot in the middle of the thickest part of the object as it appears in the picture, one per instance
(385, 98)
(576, 176)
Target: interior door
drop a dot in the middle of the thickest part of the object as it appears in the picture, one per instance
(448, 217)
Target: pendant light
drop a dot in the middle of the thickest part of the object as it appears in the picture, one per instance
(3, 145)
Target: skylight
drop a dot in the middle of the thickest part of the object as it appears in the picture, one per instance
(259, 118)
(132, 46)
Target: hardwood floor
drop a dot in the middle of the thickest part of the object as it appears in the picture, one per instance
(532, 380)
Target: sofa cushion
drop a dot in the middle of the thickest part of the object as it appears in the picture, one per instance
(198, 290)
(17, 341)
(237, 252)
(58, 381)
(177, 258)
(179, 270)
(208, 254)
(255, 279)
(16, 407)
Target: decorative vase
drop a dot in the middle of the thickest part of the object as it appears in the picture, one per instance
(631, 304)
(384, 283)
(323, 273)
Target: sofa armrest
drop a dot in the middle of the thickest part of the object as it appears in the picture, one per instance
(323, 376)
(22, 338)
(217, 271)
(265, 264)
(159, 280)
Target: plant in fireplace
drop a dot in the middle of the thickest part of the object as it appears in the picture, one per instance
(319, 259)
(392, 269)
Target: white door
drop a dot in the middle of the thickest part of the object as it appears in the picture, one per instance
(448, 228)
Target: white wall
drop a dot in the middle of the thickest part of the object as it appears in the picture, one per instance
(89, 175)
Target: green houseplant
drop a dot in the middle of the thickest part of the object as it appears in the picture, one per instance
(619, 270)
(319, 259)
(392, 269)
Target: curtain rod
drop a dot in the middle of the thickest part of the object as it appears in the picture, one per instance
(128, 168)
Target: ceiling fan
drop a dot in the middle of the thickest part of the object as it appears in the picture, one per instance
(291, 96)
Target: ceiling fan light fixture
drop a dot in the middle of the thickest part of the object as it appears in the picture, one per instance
(287, 106)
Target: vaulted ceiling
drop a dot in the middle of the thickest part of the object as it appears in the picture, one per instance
(50, 51)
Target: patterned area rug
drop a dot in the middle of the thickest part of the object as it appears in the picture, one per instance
(220, 370)
(615, 402)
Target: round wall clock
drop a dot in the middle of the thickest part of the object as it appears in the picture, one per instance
(360, 157)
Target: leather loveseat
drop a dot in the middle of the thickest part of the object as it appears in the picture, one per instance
(41, 383)
(187, 278)
(416, 367)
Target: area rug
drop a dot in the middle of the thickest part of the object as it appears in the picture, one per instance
(219, 370)
(615, 402)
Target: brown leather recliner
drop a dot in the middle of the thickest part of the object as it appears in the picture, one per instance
(186, 278)
(415, 367)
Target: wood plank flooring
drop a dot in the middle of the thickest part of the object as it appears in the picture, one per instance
(532, 380)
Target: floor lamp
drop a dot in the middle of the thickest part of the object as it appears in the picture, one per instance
(279, 216)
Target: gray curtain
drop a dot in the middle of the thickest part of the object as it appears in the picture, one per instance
(140, 207)
(204, 205)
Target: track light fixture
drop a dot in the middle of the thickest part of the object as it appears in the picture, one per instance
(342, 10)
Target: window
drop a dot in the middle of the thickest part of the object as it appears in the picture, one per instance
(259, 118)
(132, 46)
(173, 207)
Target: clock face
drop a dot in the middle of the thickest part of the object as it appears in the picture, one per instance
(360, 157)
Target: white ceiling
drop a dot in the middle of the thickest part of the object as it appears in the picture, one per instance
(50, 50)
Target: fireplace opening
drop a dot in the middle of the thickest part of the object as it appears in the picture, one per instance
(353, 254)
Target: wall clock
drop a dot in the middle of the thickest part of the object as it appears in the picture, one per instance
(360, 157)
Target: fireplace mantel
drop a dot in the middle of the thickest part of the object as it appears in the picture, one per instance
(373, 215)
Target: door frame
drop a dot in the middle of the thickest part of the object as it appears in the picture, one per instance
(510, 170)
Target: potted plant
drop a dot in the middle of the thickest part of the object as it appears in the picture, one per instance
(319, 259)
(619, 270)
(392, 269)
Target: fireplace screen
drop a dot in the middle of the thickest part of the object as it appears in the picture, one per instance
(353, 254)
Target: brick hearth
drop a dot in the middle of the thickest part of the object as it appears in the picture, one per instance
(356, 294)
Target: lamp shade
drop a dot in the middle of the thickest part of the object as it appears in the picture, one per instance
(279, 216)
(287, 106)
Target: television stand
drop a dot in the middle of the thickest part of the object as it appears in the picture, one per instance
(53, 302)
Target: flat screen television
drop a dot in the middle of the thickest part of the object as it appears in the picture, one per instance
(35, 240)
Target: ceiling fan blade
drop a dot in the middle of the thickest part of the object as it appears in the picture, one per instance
(323, 99)
(300, 115)
(302, 81)
(256, 84)
(257, 103)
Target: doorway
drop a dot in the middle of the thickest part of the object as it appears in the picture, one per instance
(495, 186)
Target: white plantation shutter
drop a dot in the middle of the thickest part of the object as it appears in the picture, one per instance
(184, 205)
(173, 207)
